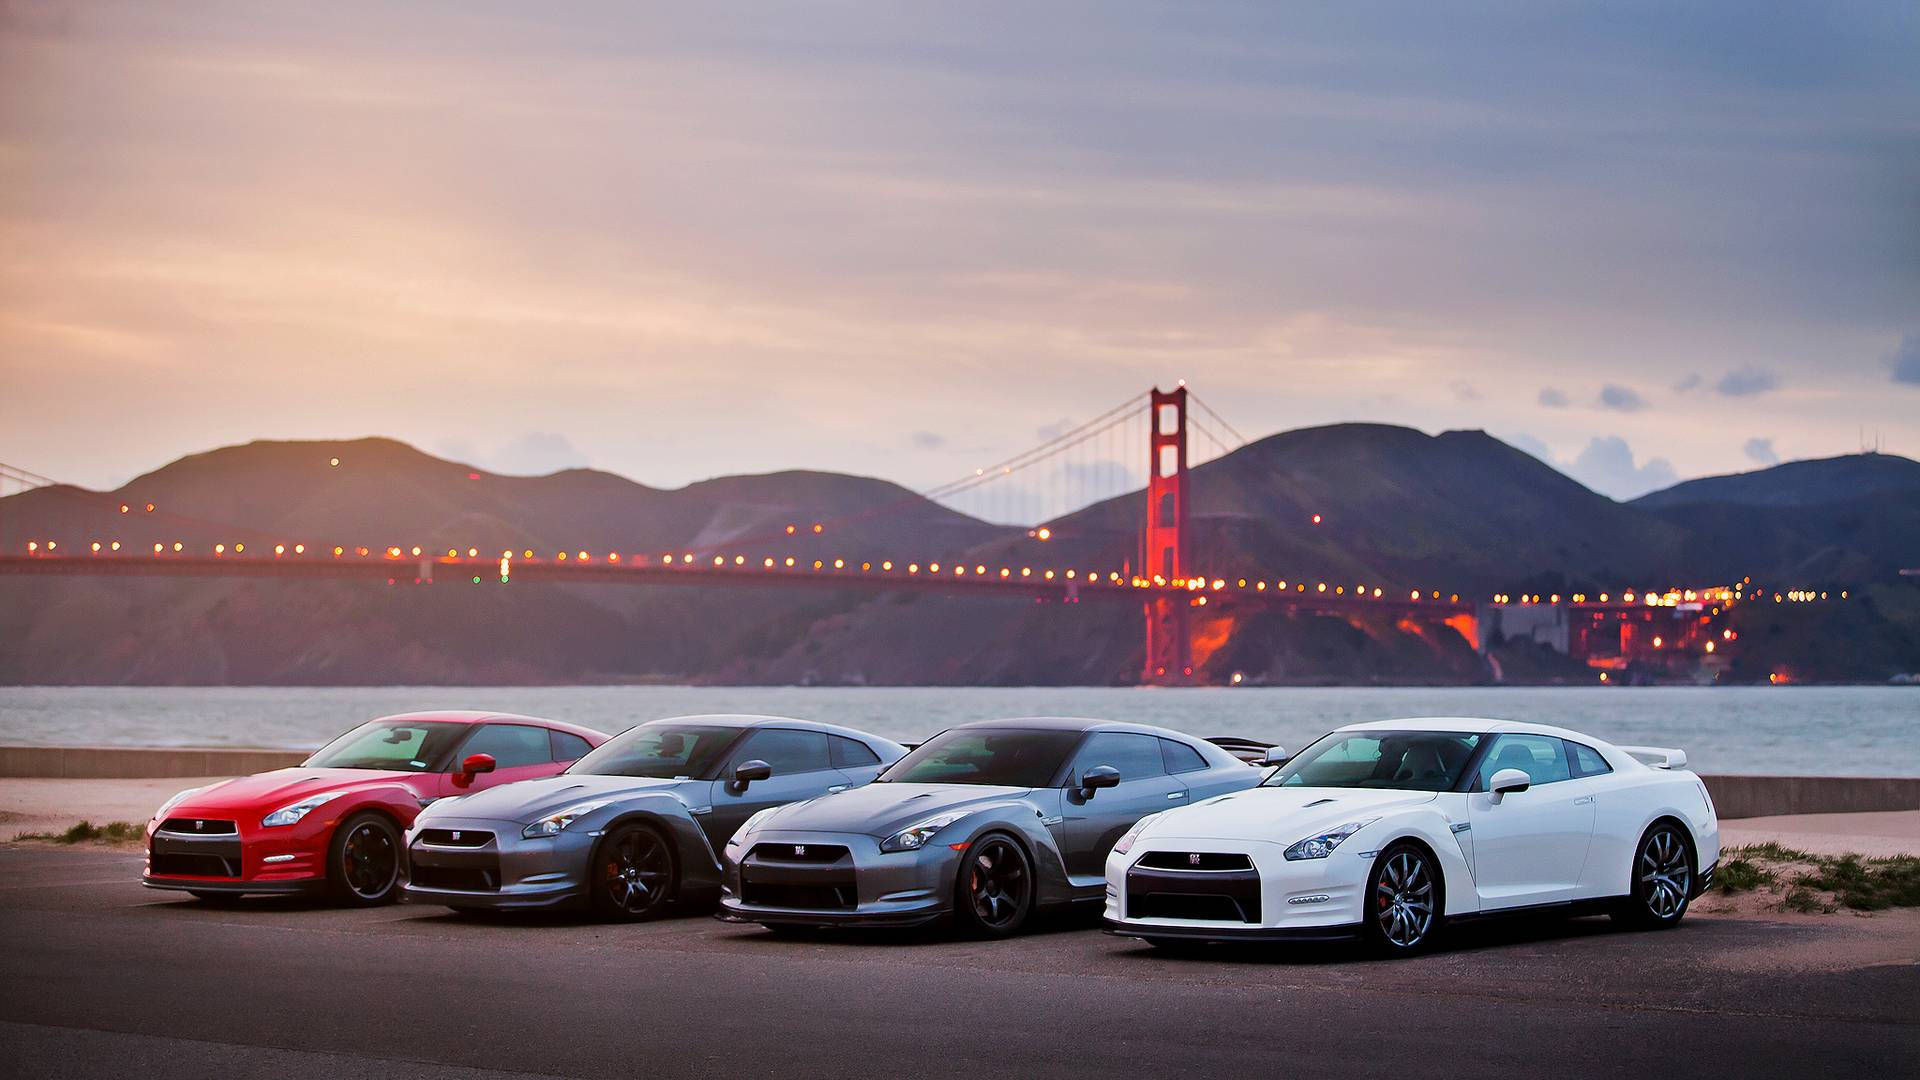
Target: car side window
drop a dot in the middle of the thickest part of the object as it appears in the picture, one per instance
(1138, 757)
(510, 744)
(787, 751)
(1587, 761)
(1542, 757)
(569, 747)
(851, 753)
(1179, 757)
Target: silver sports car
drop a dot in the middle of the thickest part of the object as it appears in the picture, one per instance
(983, 821)
(632, 826)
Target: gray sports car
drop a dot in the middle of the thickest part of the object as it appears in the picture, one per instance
(983, 822)
(633, 826)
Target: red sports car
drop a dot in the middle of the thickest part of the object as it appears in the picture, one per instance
(333, 824)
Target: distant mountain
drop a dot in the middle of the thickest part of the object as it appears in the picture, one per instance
(1456, 512)
(1812, 482)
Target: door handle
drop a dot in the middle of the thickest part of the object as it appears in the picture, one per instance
(1582, 800)
(837, 787)
(1176, 794)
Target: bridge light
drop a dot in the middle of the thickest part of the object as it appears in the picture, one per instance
(238, 548)
(583, 556)
(839, 564)
(1026, 571)
(819, 528)
(1709, 646)
(1048, 575)
(472, 553)
(789, 560)
(124, 508)
(416, 551)
(149, 508)
(218, 549)
(1456, 599)
(527, 554)
(115, 545)
(1376, 592)
(1603, 598)
(767, 562)
(1556, 598)
(1321, 587)
(719, 560)
(1339, 590)
(1004, 572)
(156, 549)
(913, 568)
(817, 564)
(1603, 676)
(959, 571)
(1657, 642)
(687, 558)
(1238, 678)
(1316, 519)
(279, 549)
(1218, 584)
(453, 553)
(979, 569)
(888, 565)
(299, 549)
(791, 529)
(562, 556)
(96, 545)
(866, 566)
(739, 560)
(33, 545)
(1043, 533)
(1281, 585)
(361, 551)
(933, 568)
(1416, 594)
(613, 556)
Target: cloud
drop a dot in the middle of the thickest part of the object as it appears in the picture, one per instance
(1621, 399)
(1905, 361)
(1522, 441)
(1553, 399)
(1607, 466)
(1691, 382)
(1760, 450)
(927, 440)
(535, 454)
(1746, 382)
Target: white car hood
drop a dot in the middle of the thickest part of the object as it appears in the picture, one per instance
(1280, 815)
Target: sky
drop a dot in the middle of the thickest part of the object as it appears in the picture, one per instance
(1641, 241)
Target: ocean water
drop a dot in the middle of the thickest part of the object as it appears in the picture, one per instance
(1803, 731)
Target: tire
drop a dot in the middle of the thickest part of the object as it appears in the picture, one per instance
(1662, 879)
(363, 861)
(994, 894)
(634, 874)
(1405, 901)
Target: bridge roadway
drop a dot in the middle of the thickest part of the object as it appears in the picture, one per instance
(99, 977)
(804, 575)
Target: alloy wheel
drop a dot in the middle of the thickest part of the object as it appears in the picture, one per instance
(998, 884)
(1403, 899)
(368, 861)
(638, 870)
(1666, 875)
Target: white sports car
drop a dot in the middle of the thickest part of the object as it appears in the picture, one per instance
(1388, 830)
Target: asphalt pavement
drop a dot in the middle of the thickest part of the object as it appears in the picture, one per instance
(99, 977)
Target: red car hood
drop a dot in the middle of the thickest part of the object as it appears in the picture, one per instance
(269, 791)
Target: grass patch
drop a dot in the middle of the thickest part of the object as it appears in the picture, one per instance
(116, 832)
(1742, 875)
(1821, 883)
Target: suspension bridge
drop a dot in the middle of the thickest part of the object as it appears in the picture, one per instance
(1181, 605)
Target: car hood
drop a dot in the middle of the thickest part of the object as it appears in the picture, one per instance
(269, 791)
(531, 800)
(1282, 815)
(884, 809)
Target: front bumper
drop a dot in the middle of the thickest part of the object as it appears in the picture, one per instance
(1246, 891)
(835, 879)
(487, 864)
(210, 850)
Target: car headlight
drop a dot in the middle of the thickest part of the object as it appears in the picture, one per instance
(176, 800)
(749, 825)
(287, 815)
(1125, 843)
(1321, 846)
(918, 833)
(552, 824)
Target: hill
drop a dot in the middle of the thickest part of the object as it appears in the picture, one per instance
(1813, 482)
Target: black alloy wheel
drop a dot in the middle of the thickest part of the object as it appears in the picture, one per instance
(1403, 901)
(363, 868)
(995, 894)
(633, 874)
(1662, 879)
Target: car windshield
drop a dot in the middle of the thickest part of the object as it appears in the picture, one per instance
(660, 751)
(399, 745)
(1406, 760)
(1001, 757)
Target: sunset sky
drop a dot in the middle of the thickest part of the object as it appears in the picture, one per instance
(1642, 241)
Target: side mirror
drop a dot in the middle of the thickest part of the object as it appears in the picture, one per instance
(474, 765)
(747, 772)
(1096, 778)
(1508, 782)
(1275, 755)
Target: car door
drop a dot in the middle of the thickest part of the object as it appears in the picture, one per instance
(1531, 846)
(802, 768)
(520, 752)
(1094, 823)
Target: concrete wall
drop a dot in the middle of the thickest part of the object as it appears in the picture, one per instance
(1765, 796)
(124, 762)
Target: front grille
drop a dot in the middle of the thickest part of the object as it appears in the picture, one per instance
(805, 897)
(199, 826)
(1186, 906)
(182, 864)
(1220, 896)
(1194, 861)
(456, 878)
(455, 837)
(809, 854)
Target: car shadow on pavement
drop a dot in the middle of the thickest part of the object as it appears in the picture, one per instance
(941, 932)
(1470, 937)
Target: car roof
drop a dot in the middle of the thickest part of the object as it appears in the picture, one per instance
(1077, 723)
(1468, 724)
(479, 716)
(747, 720)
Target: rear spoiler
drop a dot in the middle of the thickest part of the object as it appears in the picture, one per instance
(1660, 757)
(1247, 750)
